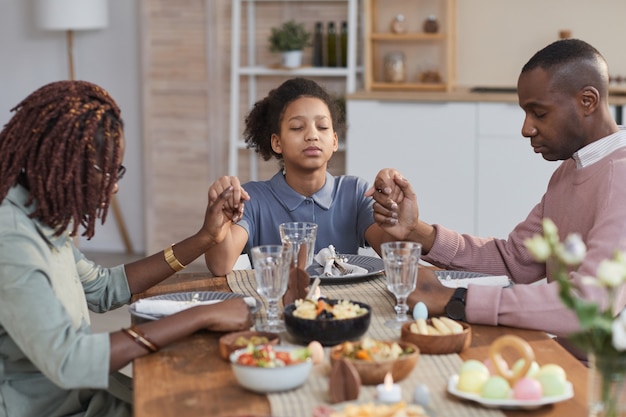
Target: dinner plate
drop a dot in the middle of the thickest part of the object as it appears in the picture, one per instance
(372, 264)
(465, 277)
(509, 404)
(188, 297)
(444, 274)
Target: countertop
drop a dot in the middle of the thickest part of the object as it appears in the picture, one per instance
(464, 94)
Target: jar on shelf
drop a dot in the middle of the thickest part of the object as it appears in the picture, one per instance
(394, 67)
(431, 24)
(398, 24)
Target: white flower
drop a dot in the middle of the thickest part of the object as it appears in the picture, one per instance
(550, 231)
(619, 331)
(573, 250)
(611, 273)
(539, 248)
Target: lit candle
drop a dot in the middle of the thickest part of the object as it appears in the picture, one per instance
(388, 392)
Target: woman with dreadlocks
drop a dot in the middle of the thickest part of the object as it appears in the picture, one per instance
(60, 162)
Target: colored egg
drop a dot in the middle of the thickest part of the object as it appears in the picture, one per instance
(421, 395)
(519, 364)
(496, 388)
(474, 365)
(527, 389)
(552, 368)
(492, 370)
(420, 311)
(472, 381)
(317, 352)
(551, 384)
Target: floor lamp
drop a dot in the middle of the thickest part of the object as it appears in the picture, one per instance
(70, 16)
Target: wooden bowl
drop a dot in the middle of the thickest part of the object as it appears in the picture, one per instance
(373, 373)
(438, 344)
(228, 343)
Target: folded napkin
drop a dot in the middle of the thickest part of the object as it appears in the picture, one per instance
(166, 307)
(493, 280)
(335, 265)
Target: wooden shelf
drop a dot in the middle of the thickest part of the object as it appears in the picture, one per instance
(423, 52)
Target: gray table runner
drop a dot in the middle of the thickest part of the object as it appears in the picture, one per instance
(432, 370)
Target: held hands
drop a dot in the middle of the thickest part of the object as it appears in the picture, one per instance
(395, 204)
(234, 204)
(225, 207)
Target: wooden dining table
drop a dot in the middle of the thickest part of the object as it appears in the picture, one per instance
(189, 379)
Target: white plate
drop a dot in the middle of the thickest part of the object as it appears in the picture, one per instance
(189, 296)
(373, 265)
(509, 404)
(444, 274)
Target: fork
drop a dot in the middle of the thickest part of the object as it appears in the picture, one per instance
(342, 269)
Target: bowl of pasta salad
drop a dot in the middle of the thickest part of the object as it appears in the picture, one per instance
(329, 322)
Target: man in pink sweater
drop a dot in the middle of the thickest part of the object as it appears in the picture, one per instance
(563, 90)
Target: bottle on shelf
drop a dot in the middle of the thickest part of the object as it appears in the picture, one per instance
(318, 47)
(344, 44)
(398, 24)
(331, 40)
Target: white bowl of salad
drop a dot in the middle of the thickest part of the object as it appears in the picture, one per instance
(269, 368)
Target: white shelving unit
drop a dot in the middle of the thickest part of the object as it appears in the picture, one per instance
(252, 70)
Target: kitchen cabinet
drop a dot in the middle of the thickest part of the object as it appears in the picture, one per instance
(253, 72)
(470, 167)
(402, 27)
(510, 177)
(432, 144)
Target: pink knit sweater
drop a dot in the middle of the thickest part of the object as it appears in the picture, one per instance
(590, 201)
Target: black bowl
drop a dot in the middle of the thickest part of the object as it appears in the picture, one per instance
(328, 332)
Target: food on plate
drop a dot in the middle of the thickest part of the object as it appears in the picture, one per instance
(524, 381)
(440, 326)
(380, 410)
(253, 340)
(321, 309)
(372, 350)
(265, 356)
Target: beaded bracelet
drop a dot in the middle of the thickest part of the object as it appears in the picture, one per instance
(172, 260)
(141, 338)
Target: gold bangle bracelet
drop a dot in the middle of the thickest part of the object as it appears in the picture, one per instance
(140, 338)
(172, 260)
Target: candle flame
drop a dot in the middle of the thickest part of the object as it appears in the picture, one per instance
(388, 381)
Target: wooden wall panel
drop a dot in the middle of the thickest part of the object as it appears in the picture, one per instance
(185, 46)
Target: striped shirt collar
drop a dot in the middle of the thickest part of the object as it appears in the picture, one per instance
(599, 149)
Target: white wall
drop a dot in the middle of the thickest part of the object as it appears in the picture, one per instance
(30, 58)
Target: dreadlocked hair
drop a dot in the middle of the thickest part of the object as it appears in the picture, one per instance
(52, 145)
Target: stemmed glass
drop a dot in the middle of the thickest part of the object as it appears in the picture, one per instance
(401, 263)
(271, 270)
(296, 234)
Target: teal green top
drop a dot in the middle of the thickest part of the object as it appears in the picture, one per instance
(50, 363)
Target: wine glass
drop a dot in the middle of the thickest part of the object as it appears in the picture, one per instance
(401, 263)
(271, 270)
(296, 234)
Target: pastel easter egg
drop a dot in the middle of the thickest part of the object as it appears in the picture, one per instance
(420, 311)
(421, 395)
(552, 368)
(474, 365)
(472, 381)
(527, 389)
(496, 388)
(519, 364)
(492, 371)
(317, 352)
(552, 384)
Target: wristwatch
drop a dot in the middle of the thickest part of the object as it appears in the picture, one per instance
(455, 309)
